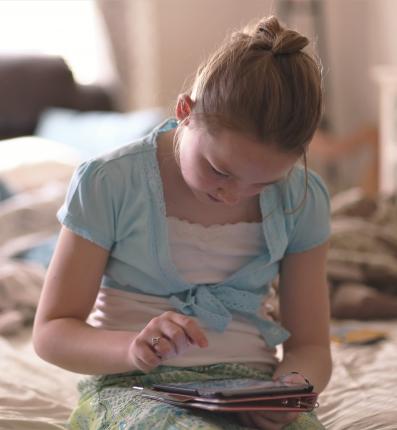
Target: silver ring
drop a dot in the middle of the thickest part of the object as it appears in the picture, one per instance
(155, 341)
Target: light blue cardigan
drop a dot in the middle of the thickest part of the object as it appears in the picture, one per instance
(117, 202)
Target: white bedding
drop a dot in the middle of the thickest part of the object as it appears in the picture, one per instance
(34, 395)
(362, 391)
(361, 395)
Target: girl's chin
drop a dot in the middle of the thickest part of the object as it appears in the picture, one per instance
(205, 197)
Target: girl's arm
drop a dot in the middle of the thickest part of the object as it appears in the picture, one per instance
(62, 337)
(60, 334)
(304, 310)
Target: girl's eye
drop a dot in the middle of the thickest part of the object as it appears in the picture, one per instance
(224, 175)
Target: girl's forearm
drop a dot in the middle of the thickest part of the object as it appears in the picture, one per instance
(81, 348)
(313, 362)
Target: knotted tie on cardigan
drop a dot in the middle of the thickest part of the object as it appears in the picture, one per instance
(212, 305)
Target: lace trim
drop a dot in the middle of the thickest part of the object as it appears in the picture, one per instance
(234, 226)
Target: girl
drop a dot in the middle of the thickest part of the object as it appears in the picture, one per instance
(169, 245)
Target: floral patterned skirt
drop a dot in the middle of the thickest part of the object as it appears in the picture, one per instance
(109, 402)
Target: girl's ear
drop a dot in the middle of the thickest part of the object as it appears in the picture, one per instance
(184, 107)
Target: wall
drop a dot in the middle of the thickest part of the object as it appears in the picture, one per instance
(170, 39)
(166, 40)
(360, 36)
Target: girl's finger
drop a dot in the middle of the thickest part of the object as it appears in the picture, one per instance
(267, 420)
(164, 347)
(193, 331)
(143, 355)
(262, 422)
(146, 364)
(246, 420)
(292, 378)
(176, 337)
(281, 417)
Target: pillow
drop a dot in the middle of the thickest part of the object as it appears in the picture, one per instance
(19, 151)
(92, 133)
(29, 162)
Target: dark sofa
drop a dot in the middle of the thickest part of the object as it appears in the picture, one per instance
(29, 84)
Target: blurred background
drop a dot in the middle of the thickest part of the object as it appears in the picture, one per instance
(81, 77)
(135, 56)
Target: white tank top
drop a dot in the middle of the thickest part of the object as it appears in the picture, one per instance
(202, 255)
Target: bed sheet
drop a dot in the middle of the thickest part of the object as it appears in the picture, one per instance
(34, 395)
(360, 396)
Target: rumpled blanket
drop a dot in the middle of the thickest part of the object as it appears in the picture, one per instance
(27, 223)
(363, 245)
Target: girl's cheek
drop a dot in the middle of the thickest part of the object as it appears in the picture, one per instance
(200, 181)
(203, 179)
(195, 178)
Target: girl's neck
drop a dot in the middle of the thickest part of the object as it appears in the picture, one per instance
(167, 159)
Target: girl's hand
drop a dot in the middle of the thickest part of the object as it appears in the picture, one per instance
(273, 420)
(267, 420)
(165, 336)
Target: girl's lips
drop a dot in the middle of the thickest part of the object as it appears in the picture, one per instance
(213, 198)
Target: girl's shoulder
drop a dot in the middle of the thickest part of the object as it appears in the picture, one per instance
(306, 210)
(132, 156)
(303, 187)
(117, 173)
(122, 163)
(124, 155)
(106, 192)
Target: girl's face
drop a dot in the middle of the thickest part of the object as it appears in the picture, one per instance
(229, 168)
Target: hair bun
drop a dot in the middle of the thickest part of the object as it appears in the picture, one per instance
(271, 36)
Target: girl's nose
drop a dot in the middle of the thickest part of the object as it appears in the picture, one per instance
(230, 197)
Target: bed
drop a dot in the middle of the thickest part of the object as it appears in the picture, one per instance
(37, 395)
(33, 394)
(361, 395)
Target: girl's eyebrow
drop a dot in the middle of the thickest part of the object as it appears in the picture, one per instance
(229, 173)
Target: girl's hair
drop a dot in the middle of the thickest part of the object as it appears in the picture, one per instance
(261, 83)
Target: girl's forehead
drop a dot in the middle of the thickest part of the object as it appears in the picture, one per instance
(233, 139)
(245, 156)
(237, 145)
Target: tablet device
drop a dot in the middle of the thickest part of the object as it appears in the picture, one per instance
(233, 387)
